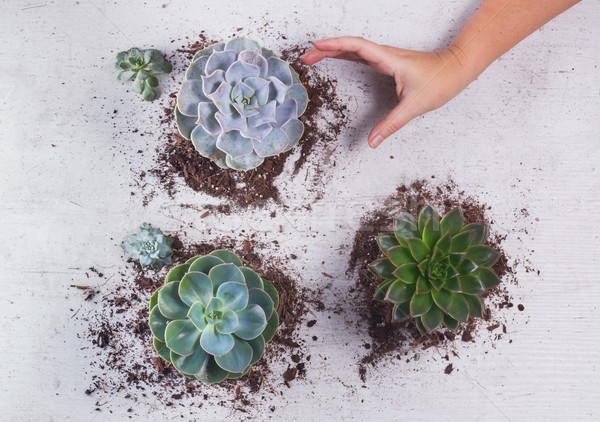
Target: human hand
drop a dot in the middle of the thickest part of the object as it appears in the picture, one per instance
(424, 80)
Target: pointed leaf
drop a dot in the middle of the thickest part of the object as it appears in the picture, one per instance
(480, 233)
(423, 286)
(401, 312)
(431, 232)
(420, 304)
(382, 267)
(452, 221)
(420, 326)
(488, 278)
(444, 244)
(399, 255)
(462, 241)
(481, 254)
(453, 285)
(426, 212)
(460, 308)
(399, 292)
(404, 228)
(437, 283)
(451, 323)
(409, 273)
(471, 285)
(432, 319)
(442, 298)
(418, 248)
(386, 241)
(382, 290)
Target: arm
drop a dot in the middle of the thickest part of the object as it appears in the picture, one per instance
(428, 80)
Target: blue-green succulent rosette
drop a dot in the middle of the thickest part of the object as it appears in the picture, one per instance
(240, 103)
(213, 317)
(150, 246)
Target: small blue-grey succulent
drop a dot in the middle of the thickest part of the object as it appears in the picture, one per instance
(150, 246)
(141, 66)
(213, 316)
(240, 103)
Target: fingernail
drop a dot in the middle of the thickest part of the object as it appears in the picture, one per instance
(307, 52)
(376, 141)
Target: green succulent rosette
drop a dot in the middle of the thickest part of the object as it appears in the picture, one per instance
(141, 66)
(435, 269)
(213, 317)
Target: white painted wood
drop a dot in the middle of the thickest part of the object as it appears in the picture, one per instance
(525, 135)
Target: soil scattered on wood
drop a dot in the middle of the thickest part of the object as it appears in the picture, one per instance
(125, 363)
(177, 157)
(403, 340)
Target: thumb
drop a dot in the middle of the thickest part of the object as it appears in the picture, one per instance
(393, 122)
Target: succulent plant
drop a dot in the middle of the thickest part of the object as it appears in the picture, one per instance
(435, 270)
(141, 66)
(150, 246)
(212, 317)
(240, 103)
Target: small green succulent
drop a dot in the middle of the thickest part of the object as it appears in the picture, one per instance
(141, 66)
(213, 316)
(150, 246)
(435, 270)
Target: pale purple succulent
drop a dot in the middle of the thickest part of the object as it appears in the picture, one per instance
(240, 103)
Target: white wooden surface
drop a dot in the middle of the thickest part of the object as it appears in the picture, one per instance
(525, 135)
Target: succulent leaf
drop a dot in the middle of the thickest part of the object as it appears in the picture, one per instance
(191, 364)
(399, 292)
(181, 336)
(195, 287)
(212, 317)
(399, 255)
(401, 312)
(382, 289)
(237, 358)
(452, 222)
(252, 322)
(433, 270)
(432, 319)
(240, 93)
